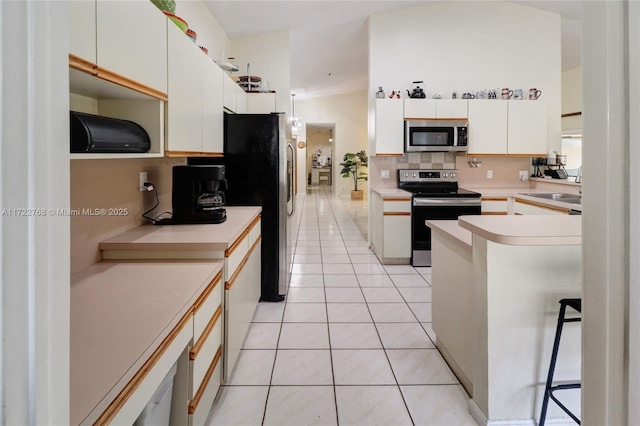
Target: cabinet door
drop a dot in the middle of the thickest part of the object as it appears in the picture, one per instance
(132, 41)
(451, 108)
(397, 236)
(212, 114)
(527, 128)
(261, 103)
(82, 29)
(419, 108)
(229, 97)
(389, 127)
(487, 127)
(521, 207)
(241, 100)
(185, 99)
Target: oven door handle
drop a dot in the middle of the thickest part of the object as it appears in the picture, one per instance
(445, 202)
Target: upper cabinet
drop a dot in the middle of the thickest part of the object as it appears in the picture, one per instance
(507, 127)
(194, 119)
(487, 127)
(82, 29)
(527, 128)
(435, 108)
(261, 103)
(131, 40)
(388, 127)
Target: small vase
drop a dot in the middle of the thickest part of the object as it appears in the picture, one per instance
(357, 195)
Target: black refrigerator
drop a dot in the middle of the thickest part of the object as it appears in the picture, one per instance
(259, 166)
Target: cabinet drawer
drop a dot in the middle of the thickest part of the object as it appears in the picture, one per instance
(495, 205)
(206, 305)
(397, 205)
(204, 350)
(200, 405)
(255, 229)
(234, 255)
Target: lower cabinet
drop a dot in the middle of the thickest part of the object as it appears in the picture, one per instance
(391, 228)
(495, 205)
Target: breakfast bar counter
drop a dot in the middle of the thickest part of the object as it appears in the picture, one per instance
(504, 289)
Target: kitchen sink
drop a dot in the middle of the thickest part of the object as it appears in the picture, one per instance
(565, 198)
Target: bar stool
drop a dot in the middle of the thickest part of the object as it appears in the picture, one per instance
(576, 304)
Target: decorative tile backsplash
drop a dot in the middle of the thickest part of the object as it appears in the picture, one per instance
(427, 160)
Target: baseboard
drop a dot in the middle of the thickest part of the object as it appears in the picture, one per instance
(481, 420)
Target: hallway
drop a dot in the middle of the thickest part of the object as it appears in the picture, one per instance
(351, 345)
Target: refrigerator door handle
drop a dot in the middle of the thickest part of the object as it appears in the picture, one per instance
(290, 176)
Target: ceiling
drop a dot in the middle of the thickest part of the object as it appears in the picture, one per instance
(328, 38)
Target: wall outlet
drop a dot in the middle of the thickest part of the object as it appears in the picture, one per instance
(143, 179)
(384, 174)
(523, 175)
(489, 174)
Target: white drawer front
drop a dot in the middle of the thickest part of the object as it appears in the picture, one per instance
(207, 308)
(397, 206)
(235, 257)
(201, 405)
(206, 352)
(254, 233)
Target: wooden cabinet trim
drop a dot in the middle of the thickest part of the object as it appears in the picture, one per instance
(232, 280)
(542, 206)
(253, 246)
(236, 243)
(396, 214)
(195, 350)
(207, 291)
(177, 154)
(494, 199)
(396, 199)
(89, 67)
(193, 404)
(107, 416)
(254, 222)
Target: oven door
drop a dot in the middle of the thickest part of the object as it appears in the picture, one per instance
(427, 208)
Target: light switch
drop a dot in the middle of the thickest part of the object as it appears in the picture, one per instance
(384, 174)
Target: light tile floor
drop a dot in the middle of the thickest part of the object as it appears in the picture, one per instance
(351, 345)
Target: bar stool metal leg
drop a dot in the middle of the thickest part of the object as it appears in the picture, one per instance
(549, 388)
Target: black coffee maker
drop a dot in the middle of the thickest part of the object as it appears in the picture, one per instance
(197, 196)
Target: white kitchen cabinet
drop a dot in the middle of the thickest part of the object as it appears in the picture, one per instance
(419, 108)
(391, 228)
(261, 103)
(435, 108)
(212, 113)
(388, 127)
(131, 40)
(495, 205)
(487, 127)
(82, 29)
(241, 100)
(230, 99)
(451, 108)
(184, 123)
(527, 128)
(526, 207)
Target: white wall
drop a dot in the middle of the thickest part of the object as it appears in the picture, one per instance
(349, 113)
(468, 46)
(269, 56)
(208, 30)
(572, 98)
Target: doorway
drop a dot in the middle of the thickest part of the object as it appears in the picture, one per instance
(320, 143)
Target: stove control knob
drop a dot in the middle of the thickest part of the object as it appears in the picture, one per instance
(453, 174)
(445, 175)
(415, 175)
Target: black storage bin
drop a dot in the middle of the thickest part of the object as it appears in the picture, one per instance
(97, 134)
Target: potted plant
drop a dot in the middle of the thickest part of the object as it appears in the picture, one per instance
(350, 167)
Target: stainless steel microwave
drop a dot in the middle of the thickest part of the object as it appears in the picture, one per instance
(435, 135)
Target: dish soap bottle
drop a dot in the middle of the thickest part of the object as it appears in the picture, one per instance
(380, 93)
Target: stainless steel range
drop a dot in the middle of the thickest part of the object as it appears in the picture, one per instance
(436, 196)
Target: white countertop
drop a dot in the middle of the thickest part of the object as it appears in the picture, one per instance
(526, 230)
(120, 314)
(518, 193)
(192, 237)
(452, 228)
(392, 192)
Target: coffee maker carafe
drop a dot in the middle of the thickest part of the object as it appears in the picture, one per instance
(197, 196)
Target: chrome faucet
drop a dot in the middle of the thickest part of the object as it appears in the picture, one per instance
(579, 176)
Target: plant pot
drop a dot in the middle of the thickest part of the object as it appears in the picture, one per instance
(356, 195)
